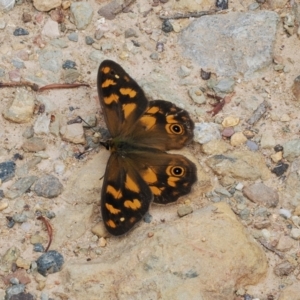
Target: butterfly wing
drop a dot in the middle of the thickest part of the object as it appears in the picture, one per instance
(122, 100)
(164, 126)
(125, 196)
(169, 176)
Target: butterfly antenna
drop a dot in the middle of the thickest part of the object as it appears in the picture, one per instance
(86, 123)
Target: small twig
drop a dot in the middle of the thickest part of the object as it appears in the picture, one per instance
(218, 107)
(195, 14)
(270, 248)
(258, 113)
(49, 230)
(62, 86)
(33, 86)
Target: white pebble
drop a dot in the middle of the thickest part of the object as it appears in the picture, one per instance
(266, 234)
(285, 213)
(239, 186)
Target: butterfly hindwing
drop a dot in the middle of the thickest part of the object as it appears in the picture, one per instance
(125, 196)
(122, 100)
(169, 176)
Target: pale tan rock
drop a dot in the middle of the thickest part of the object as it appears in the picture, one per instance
(3, 205)
(297, 211)
(100, 230)
(22, 107)
(46, 5)
(285, 243)
(276, 157)
(23, 263)
(66, 4)
(215, 147)
(230, 121)
(238, 139)
(208, 242)
(285, 118)
(73, 133)
(102, 242)
(51, 29)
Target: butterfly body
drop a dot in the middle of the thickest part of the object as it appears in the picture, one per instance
(139, 170)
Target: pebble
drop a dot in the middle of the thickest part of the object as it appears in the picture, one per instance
(183, 71)
(206, 132)
(297, 211)
(82, 13)
(22, 107)
(26, 17)
(130, 32)
(73, 133)
(266, 234)
(285, 213)
(102, 242)
(276, 157)
(18, 64)
(261, 194)
(36, 239)
(38, 247)
(20, 218)
(252, 145)
(280, 168)
(71, 75)
(26, 226)
(73, 37)
(20, 31)
(230, 121)
(14, 290)
(184, 210)
(167, 26)
(96, 56)
(14, 280)
(59, 43)
(3, 205)
(98, 34)
(50, 262)
(7, 170)
(227, 132)
(225, 85)
(147, 218)
(295, 233)
(100, 230)
(51, 29)
(154, 56)
(50, 60)
(50, 214)
(21, 186)
(2, 24)
(284, 268)
(59, 167)
(11, 255)
(237, 139)
(14, 75)
(285, 243)
(291, 149)
(197, 95)
(34, 144)
(89, 40)
(23, 263)
(215, 147)
(285, 118)
(69, 64)
(46, 5)
(42, 123)
(48, 186)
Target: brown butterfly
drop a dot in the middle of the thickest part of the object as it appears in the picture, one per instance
(139, 170)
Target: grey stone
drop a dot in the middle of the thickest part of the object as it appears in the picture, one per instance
(48, 186)
(34, 144)
(130, 33)
(245, 42)
(51, 60)
(96, 56)
(20, 187)
(73, 37)
(261, 194)
(206, 132)
(14, 290)
(184, 210)
(291, 149)
(82, 13)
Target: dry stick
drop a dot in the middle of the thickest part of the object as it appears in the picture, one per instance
(49, 230)
(270, 248)
(36, 88)
(195, 14)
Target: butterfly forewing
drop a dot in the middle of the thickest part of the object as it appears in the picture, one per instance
(125, 195)
(122, 100)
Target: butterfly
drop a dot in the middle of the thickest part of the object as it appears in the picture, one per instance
(139, 171)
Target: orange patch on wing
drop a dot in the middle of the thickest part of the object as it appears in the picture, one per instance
(153, 110)
(155, 190)
(147, 121)
(149, 176)
(170, 119)
(105, 70)
(131, 185)
(128, 109)
(111, 223)
(128, 91)
(172, 181)
(112, 98)
(108, 82)
(112, 209)
(134, 205)
(117, 194)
